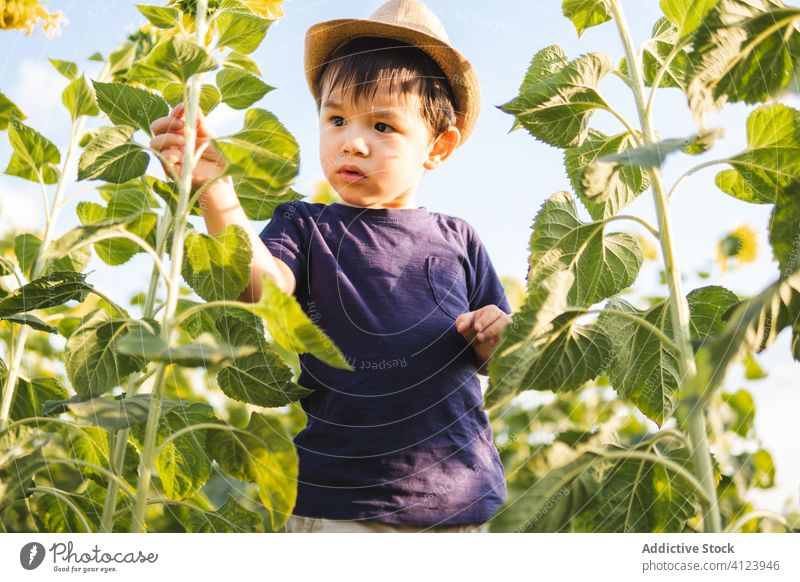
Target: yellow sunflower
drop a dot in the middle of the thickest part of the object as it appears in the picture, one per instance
(738, 246)
(649, 249)
(26, 14)
(324, 192)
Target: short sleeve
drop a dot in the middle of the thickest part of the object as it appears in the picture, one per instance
(485, 287)
(285, 237)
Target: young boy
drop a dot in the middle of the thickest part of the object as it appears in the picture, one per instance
(410, 296)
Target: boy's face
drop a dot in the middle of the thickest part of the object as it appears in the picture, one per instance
(386, 140)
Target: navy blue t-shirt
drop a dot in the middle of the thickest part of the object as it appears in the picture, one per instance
(403, 438)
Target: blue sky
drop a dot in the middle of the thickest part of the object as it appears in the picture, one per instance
(496, 181)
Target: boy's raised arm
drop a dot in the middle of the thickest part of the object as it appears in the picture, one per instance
(221, 207)
(219, 203)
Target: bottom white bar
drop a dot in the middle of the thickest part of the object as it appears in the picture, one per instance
(408, 557)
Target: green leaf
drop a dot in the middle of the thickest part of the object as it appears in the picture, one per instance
(242, 32)
(8, 112)
(291, 328)
(126, 105)
(241, 62)
(653, 155)
(92, 363)
(182, 464)
(265, 456)
(66, 68)
(751, 327)
(79, 99)
(169, 194)
(209, 96)
(129, 208)
(263, 160)
(55, 288)
(643, 370)
(744, 51)
(771, 161)
(90, 444)
(741, 412)
(173, 59)
(544, 348)
(113, 157)
(655, 53)
(557, 97)
(160, 16)
(586, 13)
(239, 90)
(638, 495)
(205, 352)
(752, 369)
(603, 265)
(26, 249)
(31, 394)
(27, 246)
(31, 321)
(755, 470)
(117, 250)
(217, 267)
(33, 154)
(261, 378)
(784, 229)
(647, 156)
(707, 307)
(686, 15)
(620, 189)
(554, 501)
(109, 413)
(230, 518)
(16, 475)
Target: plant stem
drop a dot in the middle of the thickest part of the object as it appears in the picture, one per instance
(176, 260)
(64, 497)
(679, 307)
(118, 440)
(634, 218)
(758, 514)
(36, 271)
(690, 172)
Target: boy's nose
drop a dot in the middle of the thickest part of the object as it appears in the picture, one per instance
(354, 145)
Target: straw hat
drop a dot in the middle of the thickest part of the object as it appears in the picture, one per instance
(411, 22)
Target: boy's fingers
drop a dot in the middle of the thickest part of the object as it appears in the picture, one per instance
(173, 156)
(167, 124)
(492, 330)
(464, 321)
(167, 140)
(485, 317)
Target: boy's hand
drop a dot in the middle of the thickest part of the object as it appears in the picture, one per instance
(169, 141)
(482, 329)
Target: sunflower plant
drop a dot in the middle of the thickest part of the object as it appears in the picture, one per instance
(125, 439)
(667, 359)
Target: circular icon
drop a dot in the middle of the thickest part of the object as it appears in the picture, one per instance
(31, 555)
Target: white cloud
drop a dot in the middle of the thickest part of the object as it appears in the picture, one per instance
(20, 207)
(37, 91)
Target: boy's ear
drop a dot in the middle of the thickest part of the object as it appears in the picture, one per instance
(442, 147)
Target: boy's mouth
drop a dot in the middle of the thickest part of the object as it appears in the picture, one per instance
(350, 173)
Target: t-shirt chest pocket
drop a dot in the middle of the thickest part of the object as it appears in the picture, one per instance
(449, 284)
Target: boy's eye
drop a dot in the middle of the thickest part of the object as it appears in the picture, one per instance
(335, 119)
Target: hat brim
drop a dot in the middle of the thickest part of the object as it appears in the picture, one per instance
(324, 37)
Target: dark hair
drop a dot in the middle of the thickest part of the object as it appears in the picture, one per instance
(362, 62)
